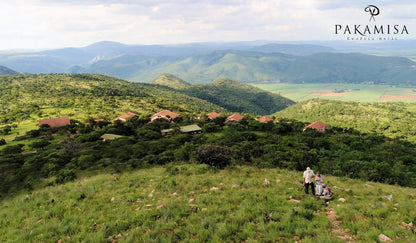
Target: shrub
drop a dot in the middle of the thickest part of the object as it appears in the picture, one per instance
(147, 134)
(65, 175)
(49, 169)
(2, 142)
(13, 149)
(213, 155)
(86, 160)
(40, 144)
(211, 127)
(91, 137)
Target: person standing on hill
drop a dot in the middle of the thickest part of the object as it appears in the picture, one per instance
(308, 180)
(319, 180)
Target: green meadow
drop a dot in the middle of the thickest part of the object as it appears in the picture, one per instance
(145, 187)
(193, 203)
(343, 92)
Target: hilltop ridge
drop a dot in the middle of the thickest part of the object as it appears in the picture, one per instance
(6, 71)
(170, 80)
(239, 97)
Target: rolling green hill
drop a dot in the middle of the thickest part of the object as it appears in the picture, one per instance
(191, 203)
(239, 97)
(245, 66)
(351, 68)
(167, 79)
(29, 97)
(143, 186)
(255, 62)
(6, 71)
(397, 120)
(259, 67)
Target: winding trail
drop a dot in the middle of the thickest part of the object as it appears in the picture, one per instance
(336, 228)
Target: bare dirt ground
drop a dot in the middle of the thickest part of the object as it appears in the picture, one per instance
(397, 97)
(329, 93)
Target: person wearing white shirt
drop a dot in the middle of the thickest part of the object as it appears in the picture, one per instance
(308, 176)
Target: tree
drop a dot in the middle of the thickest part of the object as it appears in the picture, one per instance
(213, 155)
(13, 149)
(210, 127)
(6, 130)
(40, 144)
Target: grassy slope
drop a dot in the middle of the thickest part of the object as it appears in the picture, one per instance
(171, 81)
(104, 208)
(390, 119)
(27, 98)
(239, 97)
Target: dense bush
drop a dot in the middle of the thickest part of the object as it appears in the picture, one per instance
(65, 175)
(340, 152)
(213, 155)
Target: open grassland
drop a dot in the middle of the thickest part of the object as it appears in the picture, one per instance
(342, 92)
(193, 203)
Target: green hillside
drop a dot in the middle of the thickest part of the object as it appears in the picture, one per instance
(171, 81)
(239, 97)
(351, 68)
(30, 97)
(247, 67)
(397, 120)
(6, 71)
(260, 67)
(234, 182)
(192, 203)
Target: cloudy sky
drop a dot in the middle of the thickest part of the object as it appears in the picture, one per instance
(33, 24)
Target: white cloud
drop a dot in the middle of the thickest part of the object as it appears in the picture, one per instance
(50, 23)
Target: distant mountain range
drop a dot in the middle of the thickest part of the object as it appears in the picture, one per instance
(248, 62)
(6, 71)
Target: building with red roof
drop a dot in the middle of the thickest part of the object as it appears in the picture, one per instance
(124, 117)
(213, 115)
(234, 117)
(55, 122)
(165, 114)
(265, 119)
(318, 125)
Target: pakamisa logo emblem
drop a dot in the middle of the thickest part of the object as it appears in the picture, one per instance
(373, 11)
(371, 31)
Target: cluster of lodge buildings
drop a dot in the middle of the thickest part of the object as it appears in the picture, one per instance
(170, 116)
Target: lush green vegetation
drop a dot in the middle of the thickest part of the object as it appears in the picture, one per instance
(239, 97)
(182, 202)
(246, 62)
(143, 186)
(49, 159)
(395, 120)
(167, 79)
(259, 67)
(342, 92)
(351, 68)
(30, 97)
